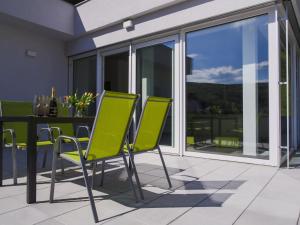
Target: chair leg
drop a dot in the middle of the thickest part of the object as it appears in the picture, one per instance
(89, 190)
(130, 165)
(94, 167)
(164, 165)
(45, 159)
(102, 173)
(130, 177)
(131, 161)
(14, 164)
(62, 166)
(54, 161)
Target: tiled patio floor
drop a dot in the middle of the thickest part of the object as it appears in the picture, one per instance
(207, 192)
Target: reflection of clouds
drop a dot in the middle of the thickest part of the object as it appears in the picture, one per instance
(195, 55)
(217, 74)
(192, 55)
(243, 23)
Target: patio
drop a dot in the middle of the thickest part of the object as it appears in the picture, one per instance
(204, 192)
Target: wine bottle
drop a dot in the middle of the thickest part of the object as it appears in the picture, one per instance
(53, 104)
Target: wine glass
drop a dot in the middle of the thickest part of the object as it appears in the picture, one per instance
(34, 105)
(46, 105)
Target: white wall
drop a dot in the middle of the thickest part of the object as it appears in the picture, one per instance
(97, 14)
(53, 14)
(21, 77)
(171, 17)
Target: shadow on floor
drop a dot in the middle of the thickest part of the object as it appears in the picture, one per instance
(116, 187)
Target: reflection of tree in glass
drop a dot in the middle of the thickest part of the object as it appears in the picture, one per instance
(215, 109)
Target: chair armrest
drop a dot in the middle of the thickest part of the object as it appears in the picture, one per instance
(12, 134)
(48, 130)
(84, 128)
(59, 139)
(57, 129)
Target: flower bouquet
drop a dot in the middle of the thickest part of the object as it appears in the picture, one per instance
(79, 103)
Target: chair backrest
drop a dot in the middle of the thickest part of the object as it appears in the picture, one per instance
(66, 128)
(111, 125)
(151, 124)
(16, 108)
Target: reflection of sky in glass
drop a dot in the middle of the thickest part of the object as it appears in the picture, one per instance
(216, 53)
(169, 44)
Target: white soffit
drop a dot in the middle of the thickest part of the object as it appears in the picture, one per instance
(296, 6)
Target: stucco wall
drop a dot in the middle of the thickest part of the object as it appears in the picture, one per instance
(53, 14)
(96, 14)
(21, 76)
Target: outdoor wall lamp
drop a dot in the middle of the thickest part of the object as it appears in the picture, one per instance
(128, 24)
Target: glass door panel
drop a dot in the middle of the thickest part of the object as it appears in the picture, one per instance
(288, 95)
(227, 89)
(116, 72)
(283, 93)
(154, 77)
(84, 78)
(298, 97)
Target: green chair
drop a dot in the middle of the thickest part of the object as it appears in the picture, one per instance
(108, 136)
(149, 131)
(68, 128)
(15, 133)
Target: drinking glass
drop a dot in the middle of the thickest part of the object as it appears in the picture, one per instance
(34, 105)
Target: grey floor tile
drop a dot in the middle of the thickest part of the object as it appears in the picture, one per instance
(107, 209)
(161, 173)
(204, 192)
(50, 222)
(270, 212)
(23, 216)
(10, 204)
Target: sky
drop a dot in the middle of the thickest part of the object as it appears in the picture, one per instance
(217, 52)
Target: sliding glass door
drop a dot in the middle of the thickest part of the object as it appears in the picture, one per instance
(154, 76)
(85, 77)
(116, 71)
(289, 91)
(227, 89)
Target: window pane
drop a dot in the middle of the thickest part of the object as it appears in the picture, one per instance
(227, 86)
(85, 78)
(116, 72)
(154, 69)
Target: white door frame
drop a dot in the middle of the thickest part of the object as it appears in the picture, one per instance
(175, 86)
(274, 126)
(291, 42)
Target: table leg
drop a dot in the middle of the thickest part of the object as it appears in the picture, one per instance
(1, 152)
(31, 161)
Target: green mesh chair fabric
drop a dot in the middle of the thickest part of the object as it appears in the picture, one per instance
(16, 108)
(66, 128)
(110, 127)
(151, 123)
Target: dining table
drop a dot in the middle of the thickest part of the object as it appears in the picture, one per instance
(31, 153)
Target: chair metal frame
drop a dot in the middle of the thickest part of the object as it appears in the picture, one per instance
(14, 147)
(131, 152)
(84, 161)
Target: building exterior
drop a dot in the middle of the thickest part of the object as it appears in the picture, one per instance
(231, 66)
